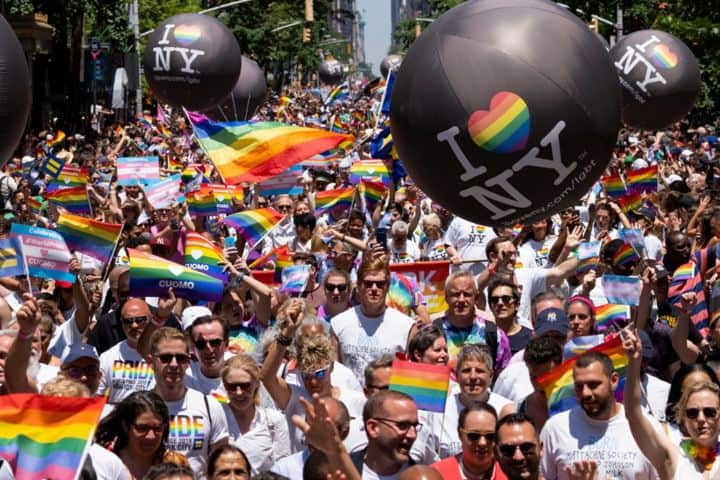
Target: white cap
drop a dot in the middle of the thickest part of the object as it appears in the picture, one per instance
(673, 178)
(79, 350)
(191, 314)
(639, 163)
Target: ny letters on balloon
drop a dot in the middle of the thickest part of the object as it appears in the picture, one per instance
(636, 56)
(184, 35)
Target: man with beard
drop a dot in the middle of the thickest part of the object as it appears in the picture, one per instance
(518, 448)
(597, 430)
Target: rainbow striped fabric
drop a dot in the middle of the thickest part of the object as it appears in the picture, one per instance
(625, 255)
(372, 170)
(558, 383)
(253, 225)
(279, 255)
(588, 254)
(73, 176)
(252, 152)
(614, 186)
(630, 202)
(611, 314)
(427, 384)
(643, 180)
(402, 294)
(202, 202)
(372, 193)
(74, 200)
(47, 437)
(204, 256)
(684, 272)
(341, 92)
(57, 137)
(36, 204)
(329, 199)
(90, 237)
(152, 276)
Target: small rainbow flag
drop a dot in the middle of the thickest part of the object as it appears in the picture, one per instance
(401, 295)
(74, 200)
(58, 137)
(625, 255)
(151, 276)
(609, 314)
(630, 202)
(294, 278)
(341, 92)
(558, 383)
(174, 164)
(427, 384)
(588, 256)
(684, 272)
(202, 202)
(204, 256)
(90, 237)
(614, 186)
(277, 255)
(73, 176)
(253, 225)
(373, 170)
(643, 180)
(338, 125)
(255, 151)
(47, 437)
(36, 204)
(329, 199)
(372, 193)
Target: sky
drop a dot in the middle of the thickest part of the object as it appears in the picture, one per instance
(376, 14)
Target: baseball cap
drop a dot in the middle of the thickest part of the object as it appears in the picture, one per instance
(647, 213)
(76, 351)
(191, 314)
(551, 320)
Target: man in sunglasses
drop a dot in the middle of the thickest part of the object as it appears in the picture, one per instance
(337, 294)
(364, 333)
(197, 421)
(504, 299)
(595, 430)
(209, 337)
(124, 370)
(518, 448)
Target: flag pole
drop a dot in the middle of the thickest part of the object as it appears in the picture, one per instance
(106, 270)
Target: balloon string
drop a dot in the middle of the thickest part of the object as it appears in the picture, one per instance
(247, 109)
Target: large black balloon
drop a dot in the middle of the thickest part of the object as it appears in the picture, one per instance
(246, 97)
(331, 71)
(15, 94)
(192, 60)
(660, 78)
(391, 62)
(506, 111)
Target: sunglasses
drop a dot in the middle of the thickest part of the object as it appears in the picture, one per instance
(145, 429)
(214, 343)
(476, 436)
(284, 207)
(508, 449)
(377, 283)
(318, 374)
(79, 372)
(506, 299)
(340, 287)
(180, 358)
(244, 386)
(130, 320)
(708, 412)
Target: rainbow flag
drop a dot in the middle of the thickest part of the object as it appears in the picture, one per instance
(427, 384)
(74, 200)
(164, 131)
(90, 237)
(73, 176)
(341, 92)
(36, 204)
(643, 180)
(588, 254)
(372, 193)
(253, 225)
(202, 202)
(625, 255)
(151, 276)
(373, 170)
(294, 279)
(684, 272)
(58, 137)
(278, 255)
(614, 186)
(204, 256)
(47, 437)
(329, 199)
(630, 202)
(338, 125)
(174, 164)
(402, 293)
(609, 314)
(246, 151)
(558, 383)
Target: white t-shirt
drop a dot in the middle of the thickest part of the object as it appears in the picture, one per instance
(434, 250)
(654, 247)
(533, 283)
(408, 252)
(66, 334)
(266, 442)
(369, 474)
(45, 374)
(195, 379)
(572, 436)
(107, 465)
(363, 339)
(124, 371)
(291, 467)
(534, 254)
(514, 382)
(657, 394)
(197, 421)
(280, 235)
(470, 240)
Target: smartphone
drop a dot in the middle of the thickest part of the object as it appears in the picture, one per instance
(230, 241)
(381, 237)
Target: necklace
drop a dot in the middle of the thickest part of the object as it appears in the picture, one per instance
(705, 456)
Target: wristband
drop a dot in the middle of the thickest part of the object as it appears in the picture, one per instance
(24, 335)
(283, 340)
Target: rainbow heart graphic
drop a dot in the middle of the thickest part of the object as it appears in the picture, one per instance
(504, 128)
(187, 34)
(663, 57)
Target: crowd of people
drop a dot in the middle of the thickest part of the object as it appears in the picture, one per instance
(267, 385)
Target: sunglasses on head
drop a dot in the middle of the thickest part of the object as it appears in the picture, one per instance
(180, 358)
(508, 449)
(476, 436)
(340, 287)
(128, 321)
(506, 299)
(214, 343)
(708, 412)
(318, 374)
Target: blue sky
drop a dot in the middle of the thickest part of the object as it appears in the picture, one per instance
(377, 30)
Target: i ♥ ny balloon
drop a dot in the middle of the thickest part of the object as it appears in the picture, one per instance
(192, 60)
(15, 92)
(330, 71)
(506, 111)
(660, 78)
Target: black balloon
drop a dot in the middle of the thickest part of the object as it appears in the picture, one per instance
(506, 111)
(391, 62)
(603, 41)
(192, 60)
(660, 78)
(15, 94)
(246, 97)
(331, 71)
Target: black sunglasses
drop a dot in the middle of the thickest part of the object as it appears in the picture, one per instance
(130, 320)
(708, 412)
(476, 436)
(506, 299)
(180, 358)
(244, 386)
(508, 449)
(214, 343)
(341, 287)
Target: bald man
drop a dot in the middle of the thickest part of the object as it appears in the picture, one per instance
(420, 472)
(123, 369)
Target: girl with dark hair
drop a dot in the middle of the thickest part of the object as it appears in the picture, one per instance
(226, 462)
(136, 431)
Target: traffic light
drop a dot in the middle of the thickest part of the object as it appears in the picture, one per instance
(309, 12)
(306, 35)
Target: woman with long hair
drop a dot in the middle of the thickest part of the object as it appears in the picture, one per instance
(228, 462)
